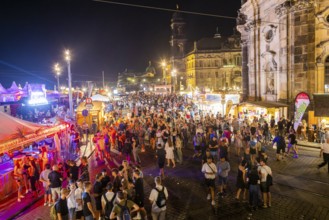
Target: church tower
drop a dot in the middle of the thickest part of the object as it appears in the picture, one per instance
(178, 44)
(178, 35)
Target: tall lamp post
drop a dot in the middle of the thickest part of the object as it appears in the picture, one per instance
(173, 77)
(164, 64)
(68, 60)
(57, 69)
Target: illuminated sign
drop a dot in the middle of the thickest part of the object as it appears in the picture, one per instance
(38, 98)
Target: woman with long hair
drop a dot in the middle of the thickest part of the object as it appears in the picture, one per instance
(18, 176)
(34, 177)
(169, 148)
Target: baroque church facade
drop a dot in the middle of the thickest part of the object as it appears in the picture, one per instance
(285, 48)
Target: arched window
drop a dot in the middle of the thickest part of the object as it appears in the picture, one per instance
(326, 75)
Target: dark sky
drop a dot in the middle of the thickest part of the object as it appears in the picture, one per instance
(102, 37)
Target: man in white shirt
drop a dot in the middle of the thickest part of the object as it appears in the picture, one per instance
(78, 200)
(158, 213)
(263, 171)
(325, 153)
(71, 203)
(45, 180)
(209, 169)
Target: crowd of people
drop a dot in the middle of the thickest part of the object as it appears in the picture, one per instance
(165, 125)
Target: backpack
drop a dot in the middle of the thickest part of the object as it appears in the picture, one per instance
(53, 212)
(161, 200)
(108, 206)
(269, 180)
(125, 212)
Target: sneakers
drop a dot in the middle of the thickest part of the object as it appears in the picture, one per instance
(49, 204)
(213, 203)
(208, 197)
(45, 204)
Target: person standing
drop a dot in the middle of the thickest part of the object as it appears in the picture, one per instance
(280, 146)
(223, 168)
(209, 169)
(84, 171)
(325, 154)
(263, 171)
(121, 205)
(139, 192)
(78, 200)
(98, 191)
(157, 212)
(45, 182)
(241, 180)
(61, 206)
(55, 180)
(71, 202)
(18, 176)
(108, 201)
(88, 210)
(169, 148)
(253, 182)
(179, 149)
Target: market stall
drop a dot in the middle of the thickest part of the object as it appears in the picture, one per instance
(16, 139)
(87, 113)
(250, 110)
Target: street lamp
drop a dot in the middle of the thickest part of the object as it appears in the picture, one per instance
(164, 64)
(67, 55)
(57, 69)
(173, 74)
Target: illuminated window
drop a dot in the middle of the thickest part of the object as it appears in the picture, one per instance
(326, 75)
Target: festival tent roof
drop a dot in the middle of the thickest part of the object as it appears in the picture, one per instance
(100, 98)
(15, 132)
(2, 89)
(14, 87)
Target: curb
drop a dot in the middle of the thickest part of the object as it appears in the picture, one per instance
(35, 200)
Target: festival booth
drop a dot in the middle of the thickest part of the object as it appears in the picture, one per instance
(13, 94)
(252, 109)
(15, 137)
(100, 98)
(319, 117)
(87, 113)
(224, 103)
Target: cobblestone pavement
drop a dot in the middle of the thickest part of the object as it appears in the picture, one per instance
(300, 190)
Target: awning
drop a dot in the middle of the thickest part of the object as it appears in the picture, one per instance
(321, 105)
(265, 104)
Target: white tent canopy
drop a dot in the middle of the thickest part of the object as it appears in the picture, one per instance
(14, 87)
(100, 98)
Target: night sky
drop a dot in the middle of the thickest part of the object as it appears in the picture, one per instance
(102, 37)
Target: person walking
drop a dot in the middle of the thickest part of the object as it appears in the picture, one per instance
(161, 157)
(263, 171)
(324, 152)
(280, 146)
(209, 169)
(253, 183)
(158, 198)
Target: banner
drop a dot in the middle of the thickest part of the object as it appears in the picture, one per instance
(302, 100)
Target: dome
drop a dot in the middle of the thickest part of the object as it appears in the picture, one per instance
(150, 69)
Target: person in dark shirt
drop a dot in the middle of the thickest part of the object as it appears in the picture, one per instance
(73, 171)
(280, 146)
(116, 180)
(105, 180)
(139, 192)
(88, 210)
(161, 155)
(98, 191)
(84, 171)
(55, 179)
(61, 207)
(253, 182)
(292, 143)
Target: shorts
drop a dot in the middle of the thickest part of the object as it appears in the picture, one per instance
(210, 182)
(55, 191)
(78, 214)
(161, 164)
(252, 151)
(47, 191)
(222, 180)
(197, 148)
(279, 148)
(264, 188)
(98, 202)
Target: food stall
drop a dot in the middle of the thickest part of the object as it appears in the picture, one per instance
(251, 109)
(94, 110)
